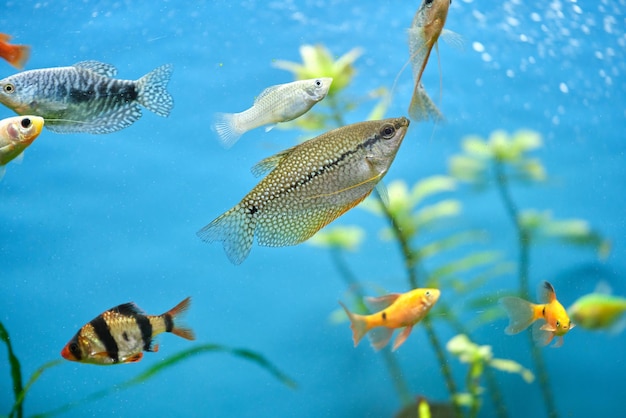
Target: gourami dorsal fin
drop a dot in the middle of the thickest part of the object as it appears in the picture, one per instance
(546, 293)
(268, 164)
(98, 67)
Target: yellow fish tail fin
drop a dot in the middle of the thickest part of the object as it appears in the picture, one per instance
(358, 324)
(235, 229)
(380, 337)
(521, 314)
(422, 107)
(541, 336)
(170, 319)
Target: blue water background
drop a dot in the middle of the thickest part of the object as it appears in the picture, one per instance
(88, 222)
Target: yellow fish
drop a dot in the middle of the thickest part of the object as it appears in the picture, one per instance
(309, 186)
(599, 310)
(16, 134)
(424, 33)
(549, 318)
(398, 310)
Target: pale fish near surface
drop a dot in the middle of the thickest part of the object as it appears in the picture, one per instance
(275, 104)
(85, 98)
(16, 134)
(309, 186)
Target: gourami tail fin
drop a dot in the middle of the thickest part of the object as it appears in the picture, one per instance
(171, 319)
(358, 324)
(235, 229)
(152, 93)
(521, 314)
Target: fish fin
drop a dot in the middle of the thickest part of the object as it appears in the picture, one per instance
(235, 229)
(19, 159)
(453, 39)
(541, 337)
(548, 327)
(558, 342)
(152, 93)
(381, 189)
(266, 92)
(358, 325)
(227, 128)
(154, 348)
(422, 107)
(269, 127)
(603, 287)
(382, 302)
(545, 292)
(3, 169)
(101, 68)
(128, 309)
(401, 338)
(112, 120)
(176, 312)
(133, 359)
(380, 337)
(614, 329)
(19, 56)
(521, 314)
(268, 164)
(5, 37)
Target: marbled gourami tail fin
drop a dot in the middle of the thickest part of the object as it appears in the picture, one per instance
(152, 93)
(422, 107)
(229, 132)
(173, 316)
(358, 324)
(521, 314)
(235, 229)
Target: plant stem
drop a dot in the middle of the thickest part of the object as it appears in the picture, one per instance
(524, 241)
(402, 387)
(409, 264)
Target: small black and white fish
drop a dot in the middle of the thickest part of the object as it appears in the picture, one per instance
(85, 98)
(122, 334)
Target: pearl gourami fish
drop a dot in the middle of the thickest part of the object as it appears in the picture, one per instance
(280, 103)
(308, 186)
(122, 334)
(397, 310)
(16, 134)
(424, 33)
(549, 318)
(85, 98)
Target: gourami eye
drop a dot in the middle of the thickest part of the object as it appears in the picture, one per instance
(9, 88)
(387, 131)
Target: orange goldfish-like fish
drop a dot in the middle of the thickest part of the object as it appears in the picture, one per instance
(122, 334)
(398, 310)
(424, 33)
(549, 318)
(16, 55)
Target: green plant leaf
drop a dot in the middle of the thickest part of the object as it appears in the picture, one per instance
(16, 372)
(468, 262)
(511, 366)
(342, 237)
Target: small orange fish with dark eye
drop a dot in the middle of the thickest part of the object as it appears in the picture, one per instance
(16, 55)
(549, 318)
(122, 334)
(397, 310)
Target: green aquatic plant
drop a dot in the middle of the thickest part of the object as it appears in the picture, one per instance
(317, 61)
(479, 357)
(171, 361)
(502, 161)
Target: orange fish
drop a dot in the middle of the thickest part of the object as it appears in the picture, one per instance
(16, 55)
(398, 310)
(122, 334)
(549, 318)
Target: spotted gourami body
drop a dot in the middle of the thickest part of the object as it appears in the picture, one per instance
(424, 33)
(16, 134)
(280, 103)
(85, 97)
(309, 186)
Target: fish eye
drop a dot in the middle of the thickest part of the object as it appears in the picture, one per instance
(387, 131)
(26, 123)
(318, 83)
(9, 88)
(430, 2)
(73, 348)
(558, 324)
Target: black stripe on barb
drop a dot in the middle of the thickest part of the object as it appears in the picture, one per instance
(169, 322)
(146, 331)
(103, 332)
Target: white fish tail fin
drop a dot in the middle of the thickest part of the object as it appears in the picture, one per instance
(422, 107)
(173, 315)
(225, 124)
(380, 337)
(541, 337)
(358, 324)
(235, 229)
(521, 314)
(152, 93)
